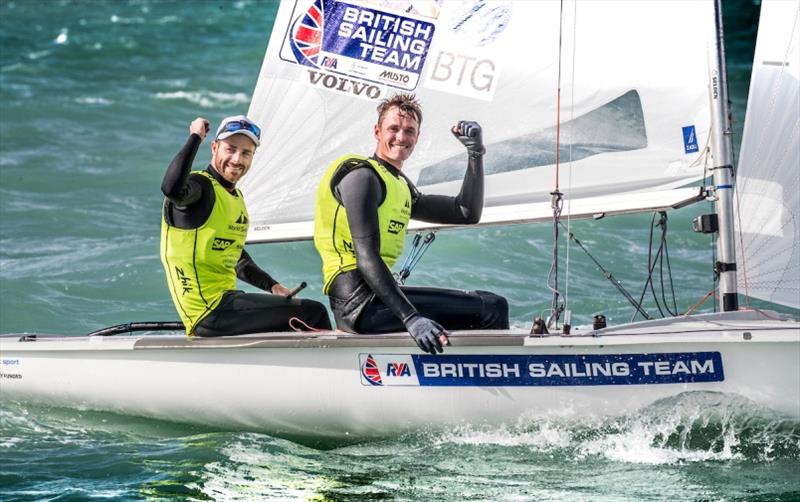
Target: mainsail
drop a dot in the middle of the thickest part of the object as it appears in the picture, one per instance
(634, 101)
(768, 183)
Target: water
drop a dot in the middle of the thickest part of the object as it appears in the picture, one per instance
(95, 98)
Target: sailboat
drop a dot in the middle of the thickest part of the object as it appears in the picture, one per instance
(643, 119)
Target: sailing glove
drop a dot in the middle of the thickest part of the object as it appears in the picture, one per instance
(470, 135)
(426, 333)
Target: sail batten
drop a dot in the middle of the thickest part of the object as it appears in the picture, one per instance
(636, 108)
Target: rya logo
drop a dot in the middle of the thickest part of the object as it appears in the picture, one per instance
(398, 369)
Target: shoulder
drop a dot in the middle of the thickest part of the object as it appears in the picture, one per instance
(356, 169)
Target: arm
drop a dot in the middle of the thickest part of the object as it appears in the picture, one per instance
(177, 185)
(249, 272)
(360, 193)
(467, 206)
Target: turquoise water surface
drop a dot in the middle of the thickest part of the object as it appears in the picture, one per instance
(95, 99)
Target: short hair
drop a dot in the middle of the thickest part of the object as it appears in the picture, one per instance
(407, 103)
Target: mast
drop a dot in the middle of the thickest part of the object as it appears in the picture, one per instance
(722, 154)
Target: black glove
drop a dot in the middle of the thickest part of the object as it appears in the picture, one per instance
(426, 333)
(470, 135)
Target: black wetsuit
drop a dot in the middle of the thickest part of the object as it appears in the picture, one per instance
(368, 300)
(190, 199)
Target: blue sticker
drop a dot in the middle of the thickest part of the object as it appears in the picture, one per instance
(690, 140)
(359, 42)
(561, 370)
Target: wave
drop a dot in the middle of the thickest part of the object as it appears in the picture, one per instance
(689, 427)
(207, 99)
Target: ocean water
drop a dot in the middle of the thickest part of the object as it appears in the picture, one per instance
(95, 98)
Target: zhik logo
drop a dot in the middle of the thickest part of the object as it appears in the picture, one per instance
(186, 282)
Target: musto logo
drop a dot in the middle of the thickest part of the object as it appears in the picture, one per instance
(360, 44)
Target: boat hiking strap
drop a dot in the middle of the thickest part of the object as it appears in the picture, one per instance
(138, 326)
(414, 255)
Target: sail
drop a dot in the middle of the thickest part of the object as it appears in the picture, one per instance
(768, 178)
(634, 108)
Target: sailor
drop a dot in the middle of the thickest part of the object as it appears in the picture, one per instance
(362, 212)
(203, 230)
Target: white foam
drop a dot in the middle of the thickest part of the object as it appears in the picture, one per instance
(63, 37)
(261, 471)
(92, 100)
(207, 99)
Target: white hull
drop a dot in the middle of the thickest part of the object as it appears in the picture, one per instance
(315, 386)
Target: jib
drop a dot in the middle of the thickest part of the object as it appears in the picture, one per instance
(342, 84)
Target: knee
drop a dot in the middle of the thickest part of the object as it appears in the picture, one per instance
(495, 310)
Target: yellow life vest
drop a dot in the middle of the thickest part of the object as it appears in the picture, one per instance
(332, 231)
(200, 263)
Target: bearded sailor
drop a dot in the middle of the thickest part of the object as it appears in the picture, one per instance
(203, 230)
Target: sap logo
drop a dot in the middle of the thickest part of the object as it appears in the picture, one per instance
(342, 84)
(398, 369)
(394, 77)
(186, 282)
(221, 244)
(329, 62)
(395, 227)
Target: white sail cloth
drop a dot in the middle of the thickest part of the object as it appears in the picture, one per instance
(768, 183)
(634, 101)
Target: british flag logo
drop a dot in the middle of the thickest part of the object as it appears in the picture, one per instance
(307, 35)
(370, 371)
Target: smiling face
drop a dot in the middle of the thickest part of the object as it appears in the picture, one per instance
(396, 134)
(232, 156)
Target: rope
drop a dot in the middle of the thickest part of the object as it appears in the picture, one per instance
(303, 326)
(702, 301)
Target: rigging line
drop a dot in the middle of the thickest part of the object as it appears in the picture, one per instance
(569, 171)
(651, 265)
(702, 301)
(715, 275)
(556, 201)
(558, 93)
(743, 272)
(665, 258)
(608, 275)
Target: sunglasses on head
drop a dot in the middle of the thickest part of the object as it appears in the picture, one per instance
(239, 125)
